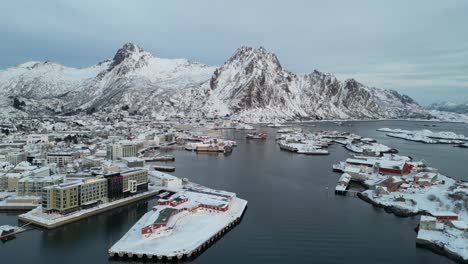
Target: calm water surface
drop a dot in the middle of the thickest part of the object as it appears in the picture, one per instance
(291, 218)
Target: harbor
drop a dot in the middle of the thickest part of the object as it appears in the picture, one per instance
(312, 175)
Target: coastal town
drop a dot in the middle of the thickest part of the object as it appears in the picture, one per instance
(58, 173)
(55, 172)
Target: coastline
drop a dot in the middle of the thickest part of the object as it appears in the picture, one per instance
(427, 244)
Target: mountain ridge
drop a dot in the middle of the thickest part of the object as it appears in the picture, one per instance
(251, 85)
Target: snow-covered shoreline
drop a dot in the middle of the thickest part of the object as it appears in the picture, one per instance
(429, 201)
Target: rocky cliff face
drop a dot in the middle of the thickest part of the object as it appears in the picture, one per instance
(251, 85)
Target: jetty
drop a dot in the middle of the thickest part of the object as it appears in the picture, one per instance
(181, 226)
(8, 232)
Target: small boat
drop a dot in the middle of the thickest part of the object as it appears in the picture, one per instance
(276, 125)
(257, 136)
(465, 145)
(245, 127)
(311, 150)
(339, 167)
(286, 146)
(164, 168)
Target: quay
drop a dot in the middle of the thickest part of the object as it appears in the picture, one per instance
(186, 234)
(17, 207)
(37, 218)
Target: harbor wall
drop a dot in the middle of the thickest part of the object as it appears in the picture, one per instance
(88, 214)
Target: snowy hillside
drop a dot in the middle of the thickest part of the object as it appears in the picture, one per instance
(251, 85)
(450, 107)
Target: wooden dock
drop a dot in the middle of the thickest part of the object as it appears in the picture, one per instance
(18, 230)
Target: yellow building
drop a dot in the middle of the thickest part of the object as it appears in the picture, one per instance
(62, 198)
(93, 191)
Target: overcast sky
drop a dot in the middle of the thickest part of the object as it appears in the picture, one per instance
(419, 48)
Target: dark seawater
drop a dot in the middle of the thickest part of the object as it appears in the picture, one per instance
(291, 218)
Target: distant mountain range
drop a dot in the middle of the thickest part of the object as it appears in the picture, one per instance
(251, 85)
(461, 108)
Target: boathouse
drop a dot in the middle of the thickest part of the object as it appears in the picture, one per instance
(444, 216)
(393, 167)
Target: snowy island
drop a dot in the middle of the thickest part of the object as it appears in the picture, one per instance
(426, 136)
(407, 188)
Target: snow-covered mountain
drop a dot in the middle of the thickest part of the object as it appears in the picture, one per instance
(450, 107)
(251, 85)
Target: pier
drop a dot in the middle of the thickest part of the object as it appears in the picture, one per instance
(194, 234)
(186, 255)
(17, 230)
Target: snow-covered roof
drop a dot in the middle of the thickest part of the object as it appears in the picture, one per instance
(462, 225)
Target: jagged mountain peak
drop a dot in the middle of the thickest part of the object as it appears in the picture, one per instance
(255, 56)
(250, 85)
(126, 51)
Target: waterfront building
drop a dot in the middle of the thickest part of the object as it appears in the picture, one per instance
(387, 167)
(444, 216)
(429, 223)
(114, 186)
(134, 181)
(61, 198)
(32, 186)
(93, 191)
